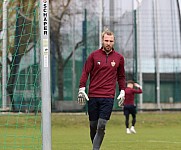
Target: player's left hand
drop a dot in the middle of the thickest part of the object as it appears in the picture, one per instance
(121, 98)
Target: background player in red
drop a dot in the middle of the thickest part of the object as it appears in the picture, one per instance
(104, 67)
(129, 106)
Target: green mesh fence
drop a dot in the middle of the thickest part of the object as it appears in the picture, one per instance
(148, 36)
(20, 99)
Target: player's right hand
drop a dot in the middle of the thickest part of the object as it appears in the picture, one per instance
(82, 96)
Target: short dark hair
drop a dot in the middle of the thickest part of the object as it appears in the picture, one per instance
(130, 81)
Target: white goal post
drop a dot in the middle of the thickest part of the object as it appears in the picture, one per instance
(45, 74)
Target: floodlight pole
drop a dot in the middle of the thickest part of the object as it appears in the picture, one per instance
(45, 74)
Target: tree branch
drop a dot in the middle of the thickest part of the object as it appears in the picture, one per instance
(75, 48)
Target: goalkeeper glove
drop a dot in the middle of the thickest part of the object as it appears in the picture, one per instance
(121, 98)
(82, 96)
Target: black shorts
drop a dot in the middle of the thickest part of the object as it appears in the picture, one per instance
(129, 109)
(100, 108)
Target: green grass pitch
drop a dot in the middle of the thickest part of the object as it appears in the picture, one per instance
(155, 131)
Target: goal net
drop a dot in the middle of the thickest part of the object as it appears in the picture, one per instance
(20, 65)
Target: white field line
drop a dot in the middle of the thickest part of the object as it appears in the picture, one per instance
(149, 141)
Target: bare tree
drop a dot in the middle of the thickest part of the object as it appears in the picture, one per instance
(60, 13)
(21, 17)
(20, 21)
(58, 10)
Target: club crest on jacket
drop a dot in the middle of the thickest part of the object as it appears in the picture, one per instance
(98, 62)
(113, 63)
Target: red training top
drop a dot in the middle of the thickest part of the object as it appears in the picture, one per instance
(104, 69)
(129, 95)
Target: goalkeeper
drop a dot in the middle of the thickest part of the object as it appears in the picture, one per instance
(104, 67)
(129, 105)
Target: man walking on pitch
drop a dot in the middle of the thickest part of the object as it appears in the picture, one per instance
(129, 104)
(104, 67)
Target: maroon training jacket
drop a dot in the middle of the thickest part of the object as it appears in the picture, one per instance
(129, 95)
(104, 69)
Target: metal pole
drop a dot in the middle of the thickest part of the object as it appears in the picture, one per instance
(156, 53)
(100, 23)
(35, 65)
(111, 15)
(157, 59)
(4, 54)
(135, 54)
(139, 52)
(45, 74)
(175, 42)
(73, 59)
